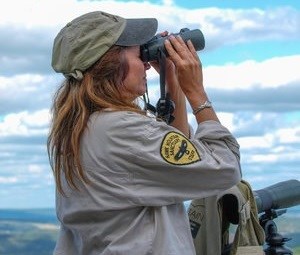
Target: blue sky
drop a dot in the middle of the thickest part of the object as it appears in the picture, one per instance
(251, 70)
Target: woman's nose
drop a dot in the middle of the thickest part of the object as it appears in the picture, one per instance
(147, 65)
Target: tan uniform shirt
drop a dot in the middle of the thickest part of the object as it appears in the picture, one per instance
(141, 171)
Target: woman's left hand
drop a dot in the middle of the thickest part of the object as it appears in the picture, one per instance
(176, 95)
(172, 84)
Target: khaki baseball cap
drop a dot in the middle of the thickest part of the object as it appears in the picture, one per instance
(87, 38)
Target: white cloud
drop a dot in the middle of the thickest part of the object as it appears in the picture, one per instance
(271, 73)
(25, 124)
(8, 180)
(56, 12)
(26, 81)
(274, 72)
(266, 158)
(278, 21)
(35, 169)
(254, 142)
(288, 135)
(282, 157)
(227, 120)
(34, 33)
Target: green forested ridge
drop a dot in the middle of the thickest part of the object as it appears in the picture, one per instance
(27, 238)
(37, 237)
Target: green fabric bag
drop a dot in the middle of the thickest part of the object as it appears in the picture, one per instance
(212, 217)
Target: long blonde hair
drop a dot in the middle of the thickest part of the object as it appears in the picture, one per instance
(74, 102)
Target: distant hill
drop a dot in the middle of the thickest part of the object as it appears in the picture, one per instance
(34, 232)
(45, 215)
(28, 232)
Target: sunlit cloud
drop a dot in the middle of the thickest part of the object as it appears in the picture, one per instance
(253, 74)
(8, 180)
(25, 124)
(289, 135)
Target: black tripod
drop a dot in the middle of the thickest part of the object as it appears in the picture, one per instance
(275, 241)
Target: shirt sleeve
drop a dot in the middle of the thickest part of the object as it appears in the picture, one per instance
(147, 162)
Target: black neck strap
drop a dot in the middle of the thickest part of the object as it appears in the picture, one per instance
(165, 106)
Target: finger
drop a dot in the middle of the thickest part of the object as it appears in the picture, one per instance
(163, 34)
(181, 47)
(155, 65)
(191, 46)
(177, 43)
(172, 52)
(193, 50)
(180, 40)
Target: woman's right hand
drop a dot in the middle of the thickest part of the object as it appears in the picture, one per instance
(188, 69)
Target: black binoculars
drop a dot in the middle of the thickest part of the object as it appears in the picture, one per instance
(150, 50)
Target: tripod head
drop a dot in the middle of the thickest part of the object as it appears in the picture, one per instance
(275, 241)
(272, 202)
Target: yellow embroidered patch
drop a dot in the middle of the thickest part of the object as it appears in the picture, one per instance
(178, 150)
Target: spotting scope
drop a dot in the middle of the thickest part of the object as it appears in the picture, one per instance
(278, 196)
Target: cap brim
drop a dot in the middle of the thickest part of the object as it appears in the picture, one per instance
(137, 32)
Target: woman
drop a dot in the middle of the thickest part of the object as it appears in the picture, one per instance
(122, 176)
